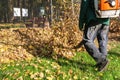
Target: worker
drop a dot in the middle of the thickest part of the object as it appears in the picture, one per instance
(94, 27)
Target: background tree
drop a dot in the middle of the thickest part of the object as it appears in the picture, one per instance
(59, 8)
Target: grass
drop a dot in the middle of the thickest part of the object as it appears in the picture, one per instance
(80, 67)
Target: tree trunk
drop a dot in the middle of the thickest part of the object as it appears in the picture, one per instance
(21, 17)
(72, 8)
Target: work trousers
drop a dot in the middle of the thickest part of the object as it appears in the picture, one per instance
(100, 31)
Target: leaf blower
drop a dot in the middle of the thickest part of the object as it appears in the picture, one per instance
(107, 8)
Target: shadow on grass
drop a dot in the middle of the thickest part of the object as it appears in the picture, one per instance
(114, 53)
(83, 66)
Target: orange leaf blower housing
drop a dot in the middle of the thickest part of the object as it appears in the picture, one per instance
(107, 8)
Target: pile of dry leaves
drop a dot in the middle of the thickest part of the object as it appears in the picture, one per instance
(26, 43)
(115, 30)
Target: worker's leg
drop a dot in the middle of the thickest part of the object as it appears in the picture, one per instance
(103, 39)
(90, 33)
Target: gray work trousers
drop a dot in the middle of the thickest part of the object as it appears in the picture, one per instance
(100, 31)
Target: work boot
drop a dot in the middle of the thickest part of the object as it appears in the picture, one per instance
(101, 66)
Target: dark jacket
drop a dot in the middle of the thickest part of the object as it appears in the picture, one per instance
(87, 13)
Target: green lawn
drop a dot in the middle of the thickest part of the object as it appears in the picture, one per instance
(81, 67)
